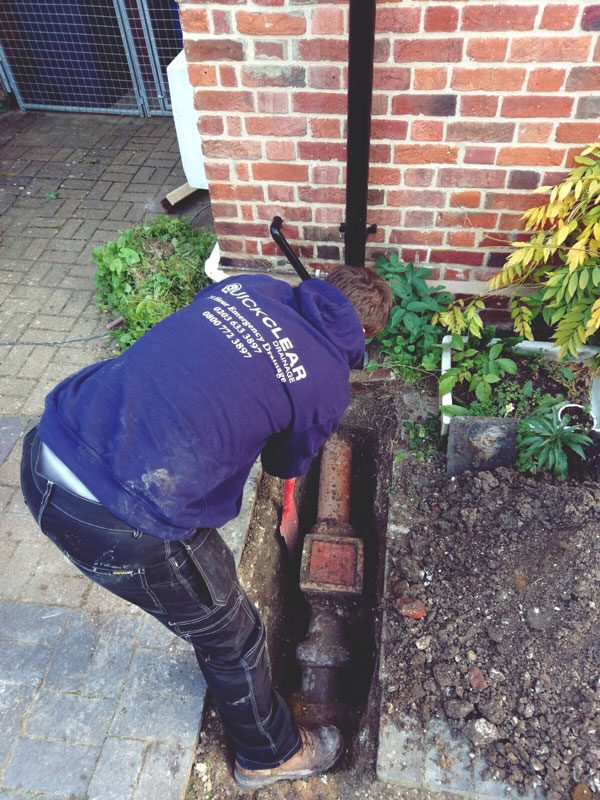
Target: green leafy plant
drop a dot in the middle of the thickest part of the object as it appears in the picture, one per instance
(409, 342)
(561, 259)
(151, 271)
(544, 440)
(480, 365)
(424, 438)
(51, 196)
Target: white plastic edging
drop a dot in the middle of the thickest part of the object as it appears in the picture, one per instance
(549, 350)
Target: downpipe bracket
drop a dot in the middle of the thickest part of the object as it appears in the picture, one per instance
(372, 228)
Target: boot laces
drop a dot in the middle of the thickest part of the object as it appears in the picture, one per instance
(307, 741)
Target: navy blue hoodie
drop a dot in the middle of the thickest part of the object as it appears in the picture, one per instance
(165, 434)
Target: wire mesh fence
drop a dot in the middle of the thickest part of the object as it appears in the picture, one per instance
(89, 55)
(157, 23)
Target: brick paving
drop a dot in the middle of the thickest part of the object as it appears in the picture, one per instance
(96, 698)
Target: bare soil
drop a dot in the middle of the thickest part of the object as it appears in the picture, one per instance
(508, 569)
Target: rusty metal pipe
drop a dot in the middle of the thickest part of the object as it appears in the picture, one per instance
(332, 557)
(322, 656)
(334, 483)
(332, 564)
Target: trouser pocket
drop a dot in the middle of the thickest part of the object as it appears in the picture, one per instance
(197, 579)
(215, 563)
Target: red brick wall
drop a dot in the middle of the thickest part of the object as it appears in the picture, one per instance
(475, 104)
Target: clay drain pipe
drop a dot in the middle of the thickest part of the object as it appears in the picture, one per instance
(331, 570)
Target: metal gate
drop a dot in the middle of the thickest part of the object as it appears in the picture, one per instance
(107, 56)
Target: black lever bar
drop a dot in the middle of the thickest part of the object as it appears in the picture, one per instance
(287, 251)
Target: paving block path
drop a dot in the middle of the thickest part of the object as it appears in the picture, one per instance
(96, 698)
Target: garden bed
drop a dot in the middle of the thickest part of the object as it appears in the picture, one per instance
(538, 373)
(534, 378)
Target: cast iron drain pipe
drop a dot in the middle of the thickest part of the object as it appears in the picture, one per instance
(332, 568)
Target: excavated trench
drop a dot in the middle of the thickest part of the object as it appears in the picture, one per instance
(272, 579)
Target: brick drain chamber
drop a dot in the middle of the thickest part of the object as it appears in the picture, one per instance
(322, 607)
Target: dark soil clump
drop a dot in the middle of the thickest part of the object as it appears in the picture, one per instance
(508, 568)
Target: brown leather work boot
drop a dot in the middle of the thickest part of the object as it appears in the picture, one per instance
(320, 749)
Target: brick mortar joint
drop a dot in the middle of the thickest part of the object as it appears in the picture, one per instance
(463, 36)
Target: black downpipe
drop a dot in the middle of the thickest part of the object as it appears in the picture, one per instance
(360, 96)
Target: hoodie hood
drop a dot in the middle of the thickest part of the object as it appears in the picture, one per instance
(329, 311)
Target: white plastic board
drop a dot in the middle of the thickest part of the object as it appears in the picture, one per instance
(185, 117)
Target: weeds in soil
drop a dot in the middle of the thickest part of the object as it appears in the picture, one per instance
(577, 378)
(410, 343)
(424, 438)
(151, 271)
(512, 400)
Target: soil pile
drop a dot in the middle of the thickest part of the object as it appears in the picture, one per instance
(508, 569)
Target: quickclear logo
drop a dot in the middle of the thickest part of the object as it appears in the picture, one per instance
(231, 288)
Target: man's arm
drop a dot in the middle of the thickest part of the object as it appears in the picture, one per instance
(288, 454)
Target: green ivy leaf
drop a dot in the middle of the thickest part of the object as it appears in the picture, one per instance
(508, 365)
(483, 391)
(447, 383)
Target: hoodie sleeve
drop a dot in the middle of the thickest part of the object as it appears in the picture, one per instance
(288, 454)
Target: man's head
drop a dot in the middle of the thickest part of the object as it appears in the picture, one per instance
(369, 294)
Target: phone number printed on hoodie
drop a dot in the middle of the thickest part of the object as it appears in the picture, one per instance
(280, 350)
(227, 331)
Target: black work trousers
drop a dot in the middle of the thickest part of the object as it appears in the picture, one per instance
(191, 586)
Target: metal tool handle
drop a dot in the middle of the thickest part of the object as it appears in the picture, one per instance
(287, 251)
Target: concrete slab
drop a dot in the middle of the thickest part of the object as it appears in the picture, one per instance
(167, 719)
(74, 718)
(23, 663)
(31, 623)
(55, 767)
(117, 769)
(15, 700)
(73, 653)
(165, 769)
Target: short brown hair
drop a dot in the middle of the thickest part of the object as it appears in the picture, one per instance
(368, 292)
